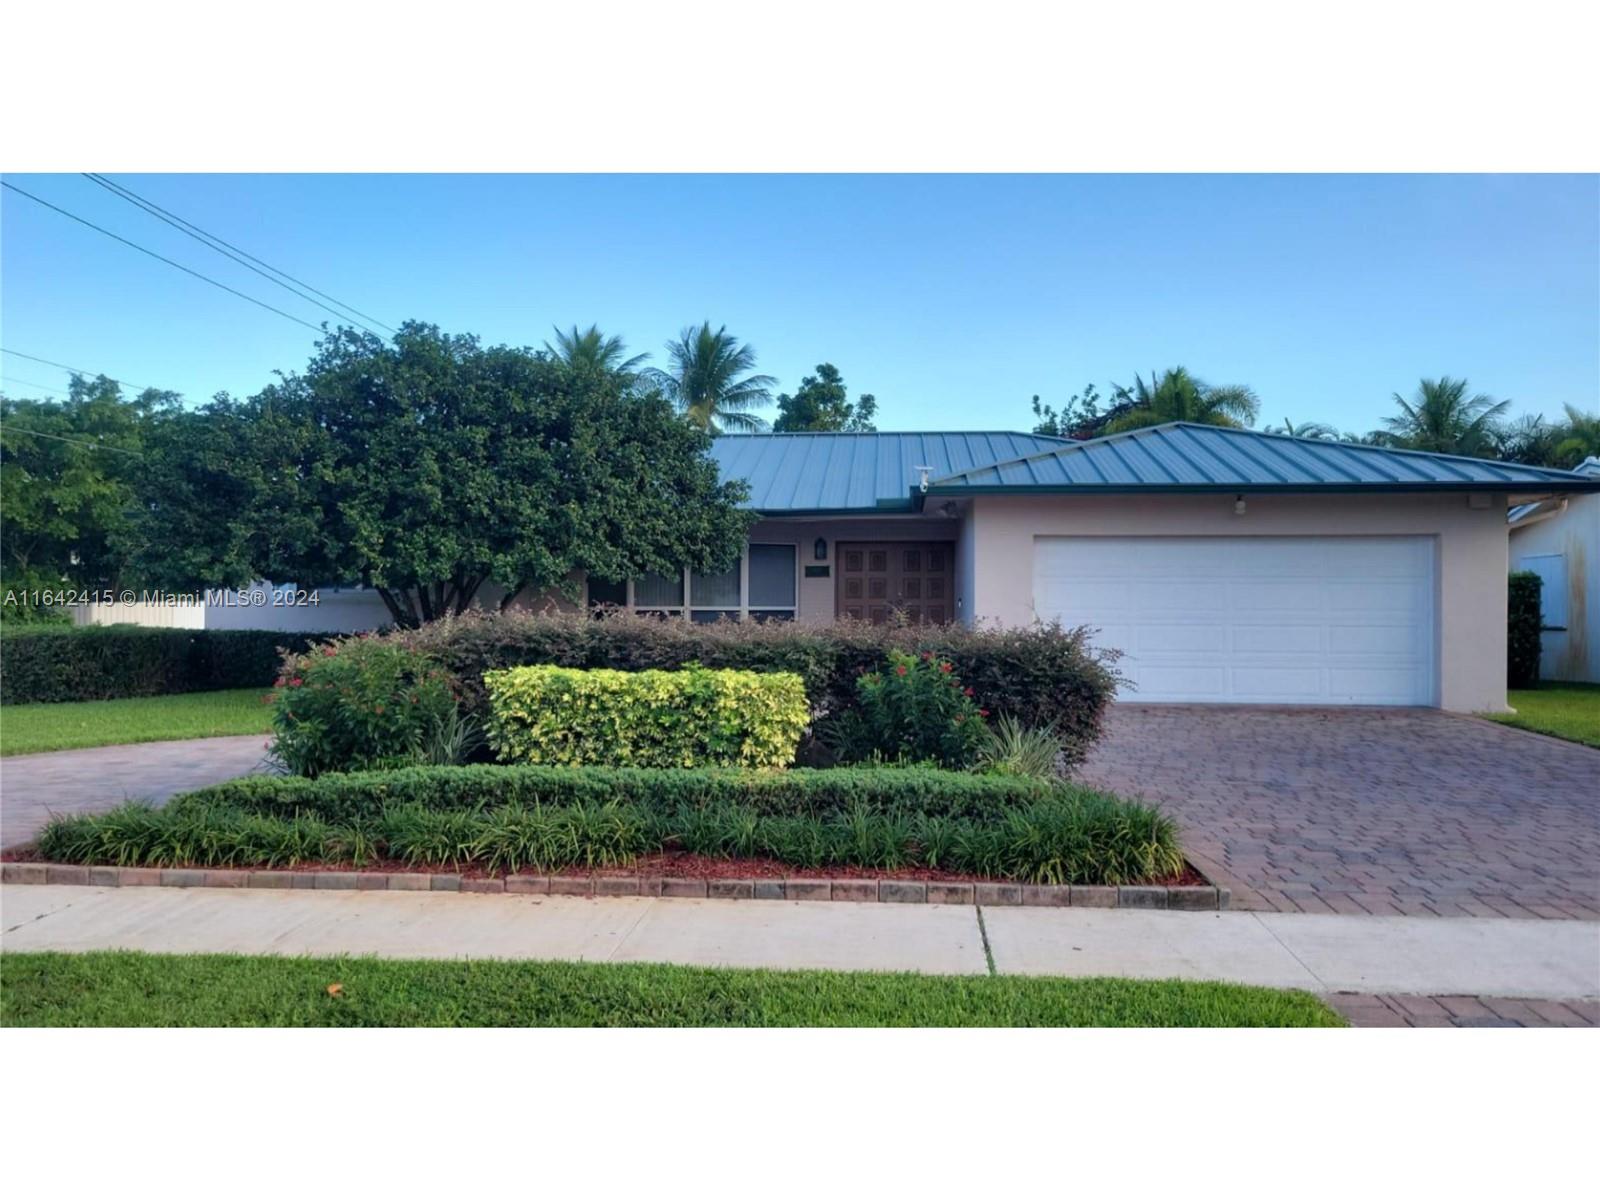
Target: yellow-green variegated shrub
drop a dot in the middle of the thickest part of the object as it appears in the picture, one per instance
(688, 718)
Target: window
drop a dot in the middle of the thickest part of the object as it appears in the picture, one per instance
(1552, 572)
(759, 586)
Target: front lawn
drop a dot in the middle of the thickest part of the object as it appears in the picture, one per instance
(123, 989)
(32, 728)
(1563, 710)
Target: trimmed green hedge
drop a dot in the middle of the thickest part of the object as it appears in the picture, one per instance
(799, 792)
(1524, 622)
(693, 717)
(1068, 836)
(113, 662)
(1043, 675)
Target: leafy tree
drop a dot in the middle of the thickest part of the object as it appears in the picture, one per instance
(591, 348)
(1080, 417)
(1177, 395)
(1443, 419)
(710, 380)
(1528, 439)
(821, 405)
(67, 472)
(429, 465)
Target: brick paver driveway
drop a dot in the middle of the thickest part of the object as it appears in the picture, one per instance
(33, 786)
(1368, 810)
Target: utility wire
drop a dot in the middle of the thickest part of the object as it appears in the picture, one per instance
(12, 428)
(228, 250)
(79, 370)
(43, 387)
(163, 258)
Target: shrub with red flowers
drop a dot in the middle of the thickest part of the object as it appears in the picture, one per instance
(914, 710)
(364, 704)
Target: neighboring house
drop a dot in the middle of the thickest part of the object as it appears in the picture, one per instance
(1558, 538)
(1229, 566)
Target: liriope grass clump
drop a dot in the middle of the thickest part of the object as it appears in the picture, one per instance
(1068, 835)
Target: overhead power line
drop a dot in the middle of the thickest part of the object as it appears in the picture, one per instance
(249, 261)
(43, 387)
(161, 257)
(79, 370)
(56, 437)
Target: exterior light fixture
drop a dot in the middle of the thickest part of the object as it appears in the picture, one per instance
(1238, 506)
(820, 550)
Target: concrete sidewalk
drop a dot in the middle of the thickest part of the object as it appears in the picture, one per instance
(1406, 955)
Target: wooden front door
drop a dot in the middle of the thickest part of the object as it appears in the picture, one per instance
(878, 578)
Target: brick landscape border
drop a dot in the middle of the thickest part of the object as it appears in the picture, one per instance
(886, 891)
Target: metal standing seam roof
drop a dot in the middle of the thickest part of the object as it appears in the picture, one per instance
(858, 472)
(1201, 458)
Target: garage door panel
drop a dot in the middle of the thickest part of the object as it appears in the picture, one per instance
(1278, 639)
(1252, 620)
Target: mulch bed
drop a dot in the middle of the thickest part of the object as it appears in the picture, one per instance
(672, 865)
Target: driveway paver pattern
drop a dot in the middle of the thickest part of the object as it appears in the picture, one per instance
(1385, 811)
(35, 786)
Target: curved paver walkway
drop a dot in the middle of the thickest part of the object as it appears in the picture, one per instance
(34, 786)
(1384, 811)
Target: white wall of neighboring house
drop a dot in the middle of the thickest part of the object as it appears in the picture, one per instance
(1560, 542)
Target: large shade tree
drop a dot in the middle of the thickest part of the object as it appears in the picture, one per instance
(428, 466)
(712, 380)
(822, 405)
(67, 472)
(1441, 417)
(1176, 395)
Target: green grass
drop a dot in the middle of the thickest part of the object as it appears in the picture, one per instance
(124, 988)
(1563, 710)
(32, 728)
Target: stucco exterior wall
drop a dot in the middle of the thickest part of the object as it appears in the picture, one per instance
(1469, 532)
(1575, 534)
(817, 595)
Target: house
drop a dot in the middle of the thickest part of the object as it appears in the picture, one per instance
(1228, 565)
(1558, 538)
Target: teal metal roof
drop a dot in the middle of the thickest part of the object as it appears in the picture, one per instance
(858, 472)
(1181, 457)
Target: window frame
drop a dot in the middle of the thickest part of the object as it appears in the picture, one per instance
(742, 611)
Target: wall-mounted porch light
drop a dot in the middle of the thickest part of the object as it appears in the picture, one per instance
(820, 550)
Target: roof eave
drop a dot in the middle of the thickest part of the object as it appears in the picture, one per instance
(1518, 487)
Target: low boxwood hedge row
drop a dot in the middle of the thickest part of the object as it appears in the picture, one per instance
(1069, 836)
(802, 791)
(1044, 675)
(47, 664)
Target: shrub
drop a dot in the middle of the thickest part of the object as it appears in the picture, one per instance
(364, 796)
(1524, 620)
(915, 709)
(364, 704)
(1068, 835)
(696, 716)
(48, 664)
(1043, 674)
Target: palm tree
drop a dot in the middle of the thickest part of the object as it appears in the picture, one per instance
(1307, 429)
(709, 380)
(591, 348)
(1443, 419)
(1580, 437)
(1179, 396)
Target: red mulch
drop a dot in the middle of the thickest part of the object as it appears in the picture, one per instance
(678, 865)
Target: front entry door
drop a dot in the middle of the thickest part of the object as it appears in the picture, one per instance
(878, 578)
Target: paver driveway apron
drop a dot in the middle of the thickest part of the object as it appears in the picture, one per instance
(34, 786)
(1383, 811)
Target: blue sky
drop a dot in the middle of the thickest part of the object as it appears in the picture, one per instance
(952, 298)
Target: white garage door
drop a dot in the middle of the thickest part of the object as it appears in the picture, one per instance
(1259, 620)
